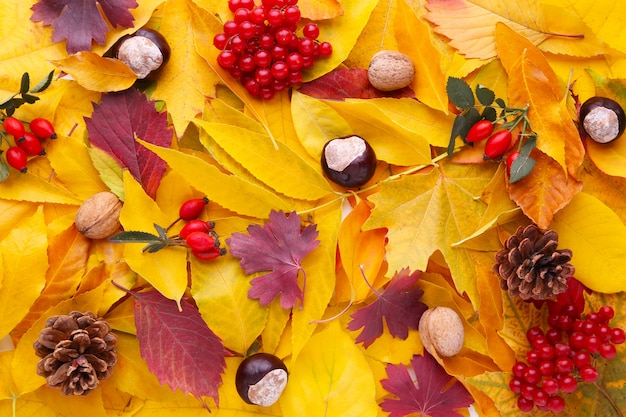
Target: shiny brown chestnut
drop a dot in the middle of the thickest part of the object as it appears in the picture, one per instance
(261, 379)
(348, 161)
(144, 52)
(602, 119)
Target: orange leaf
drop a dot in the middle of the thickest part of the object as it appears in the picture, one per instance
(547, 190)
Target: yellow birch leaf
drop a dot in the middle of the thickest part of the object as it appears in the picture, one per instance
(31, 187)
(414, 40)
(281, 169)
(605, 18)
(228, 191)
(320, 9)
(611, 190)
(470, 24)
(13, 212)
(24, 266)
(597, 237)
(331, 377)
(165, 269)
(547, 190)
(96, 73)
(221, 285)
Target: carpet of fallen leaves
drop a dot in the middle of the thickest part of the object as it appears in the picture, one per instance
(332, 281)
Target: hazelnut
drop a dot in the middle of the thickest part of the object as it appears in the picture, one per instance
(390, 70)
(261, 379)
(144, 52)
(99, 216)
(348, 161)
(441, 331)
(602, 119)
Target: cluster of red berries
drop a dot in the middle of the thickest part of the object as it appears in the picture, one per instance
(498, 143)
(25, 143)
(565, 355)
(260, 48)
(198, 234)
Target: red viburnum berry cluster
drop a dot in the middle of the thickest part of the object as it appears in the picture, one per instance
(26, 142)
(566, 354)
(261, 49)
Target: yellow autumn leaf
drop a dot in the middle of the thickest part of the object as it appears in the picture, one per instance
(30, 187)
(323, 380)
(23, 273)
(281, 169)
(109, 171)
(164, 269)
(320, 9)
(97, 73)
(13, 212)
(597, 237)
(429, 83)
(605, 18)
(228, 191)
(470, 24)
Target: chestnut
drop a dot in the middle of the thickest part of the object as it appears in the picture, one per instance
(348, 161)
(144, 52)
(261, 379)
(602, 119)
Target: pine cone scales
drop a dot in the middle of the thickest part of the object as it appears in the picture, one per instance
(531, 267)
(77, 351)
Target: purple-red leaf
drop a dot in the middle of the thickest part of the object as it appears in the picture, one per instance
(340, 84)
(178, 346)
(426, 395)
(117, 121)
(80, 21)
(279, 246)
(399, 304)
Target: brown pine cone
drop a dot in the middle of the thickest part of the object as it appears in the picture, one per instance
(531, 267)
(77, 351)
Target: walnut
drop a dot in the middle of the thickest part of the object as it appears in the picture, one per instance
(390, 70)
(441, 331)
(99, 216)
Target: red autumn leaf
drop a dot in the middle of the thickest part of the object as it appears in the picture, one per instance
(80, 22)
(178, 346)
(399, 304)
(340, 84)
(117, 121)
(429, 394)
(279, 246)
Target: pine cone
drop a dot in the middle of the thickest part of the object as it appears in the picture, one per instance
(78, 351)
(531, 267)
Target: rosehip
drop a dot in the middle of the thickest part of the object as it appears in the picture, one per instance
(509, 160)
(30, 144)
(201, 242)
(481, 130)
(209, 255)
(196, 225)
(497, 144)
(17, 158)
(42, 128)
(191, 209)
(13, 127)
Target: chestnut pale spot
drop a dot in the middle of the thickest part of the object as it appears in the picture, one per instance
(141, 55)
(341, 152)
(602, 124)
(267, 391)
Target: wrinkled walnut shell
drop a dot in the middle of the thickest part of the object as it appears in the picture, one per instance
(390, 70)
(99, 216)
(441, 331)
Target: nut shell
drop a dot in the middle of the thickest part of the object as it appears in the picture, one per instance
(441, 331)
(348, 161)
(602, 119)
(390, 70)
(145, 52)
(99, 216)
(260, 379)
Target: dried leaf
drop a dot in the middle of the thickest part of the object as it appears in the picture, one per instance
(96, 73)
(115, 124)
(178, 346)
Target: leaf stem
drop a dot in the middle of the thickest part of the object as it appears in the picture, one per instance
(608, 398)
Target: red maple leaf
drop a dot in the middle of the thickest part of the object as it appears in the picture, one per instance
(117, 121)
(278, 246)
(429, 394)
(178, 346)
(81, 21)
(340, 84)
(399, 304)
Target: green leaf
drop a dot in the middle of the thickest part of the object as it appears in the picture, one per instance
(457, 127)
(523, 164)
(471, 118)
(161, 231)
(4, 170)
(460, 93)
(43, 84)
(29, 98)
(25, 83)
(153, 247)
(485, 95)
(134, 237)
(489, 113)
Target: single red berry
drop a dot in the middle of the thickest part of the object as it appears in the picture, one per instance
(326, 49)
(509, 160)
(262, 58)
(518, 369)
(533, 357)
(618, 336)
(13, 127)
(568, 384)
(201, 241)
(589, 374)
(247, 30)
(246, 4)
(532, 375)
(17, 158)
(292, 15)
(516, 384)
(564, 365)
(528, 391)
(31, 144)
(524, 404)
(556, 404)
(230, 28)
(577, 341)
(283, 36)
(191, 209)
(210, 254)
(311, 31)
(280, 70)
(550, 386)
(533, 332)
(226, 59)
(606, 313)
(257, 15)
(480, 131)
(607, 351)
(196, 225)
(220, 40)
(274, 17)
(581, 359)
(541, 398)
(498, 144)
